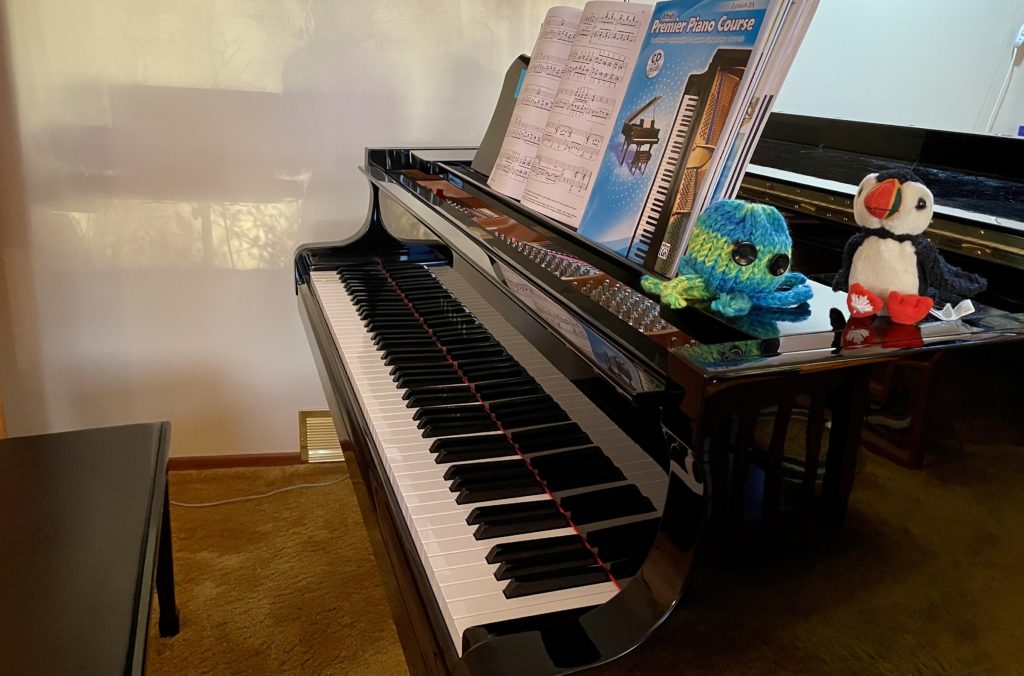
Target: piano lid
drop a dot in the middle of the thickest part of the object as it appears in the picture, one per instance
(974, 177)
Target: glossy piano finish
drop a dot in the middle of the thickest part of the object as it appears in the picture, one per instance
(810, 168)
(690, 389)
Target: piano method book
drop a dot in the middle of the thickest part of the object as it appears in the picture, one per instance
(630, 157)
(673, 118)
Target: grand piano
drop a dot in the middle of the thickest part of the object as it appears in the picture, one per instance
(542, 453)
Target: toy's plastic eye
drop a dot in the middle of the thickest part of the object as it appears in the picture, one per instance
(778, 264)
(921, 204)
(744, 253)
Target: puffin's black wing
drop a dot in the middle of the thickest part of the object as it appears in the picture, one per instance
(945, 283)
(842, 280)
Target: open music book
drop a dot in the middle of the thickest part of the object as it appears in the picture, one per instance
(656, 114)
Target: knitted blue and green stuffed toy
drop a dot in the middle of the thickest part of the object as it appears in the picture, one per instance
(738, 258)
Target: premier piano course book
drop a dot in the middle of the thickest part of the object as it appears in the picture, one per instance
(701, 66)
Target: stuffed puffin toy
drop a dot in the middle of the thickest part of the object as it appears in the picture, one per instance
(890, 266)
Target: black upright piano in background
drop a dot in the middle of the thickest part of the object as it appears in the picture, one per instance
(541, 453)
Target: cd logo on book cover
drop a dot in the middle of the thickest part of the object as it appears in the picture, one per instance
(655, 63)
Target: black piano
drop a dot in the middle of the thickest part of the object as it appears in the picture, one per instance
(541, 453)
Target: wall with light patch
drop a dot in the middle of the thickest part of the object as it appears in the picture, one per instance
(923, 63)
(173, 154)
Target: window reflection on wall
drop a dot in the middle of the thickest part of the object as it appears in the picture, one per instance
(218, 132)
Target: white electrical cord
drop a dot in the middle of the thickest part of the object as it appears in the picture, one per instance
(1002, 90)
(261, 495)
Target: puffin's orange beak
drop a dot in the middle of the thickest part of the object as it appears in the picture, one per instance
(884, 199)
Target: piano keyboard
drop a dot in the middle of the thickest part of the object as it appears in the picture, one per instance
(521, 496)
(662, 192)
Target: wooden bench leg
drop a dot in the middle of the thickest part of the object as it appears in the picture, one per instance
(169, 622)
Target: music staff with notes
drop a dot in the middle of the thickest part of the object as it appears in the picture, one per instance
(596, 73)
(526, 128)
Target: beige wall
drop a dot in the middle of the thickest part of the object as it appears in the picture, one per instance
(922, 63)
(161, 159)
(175, 154)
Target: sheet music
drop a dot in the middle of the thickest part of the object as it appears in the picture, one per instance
(534, 103)
(583, 109)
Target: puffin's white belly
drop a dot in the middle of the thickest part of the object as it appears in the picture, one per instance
(884, 265)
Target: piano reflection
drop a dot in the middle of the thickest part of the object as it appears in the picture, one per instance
(540, 452)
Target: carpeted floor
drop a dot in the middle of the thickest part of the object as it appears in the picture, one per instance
(281, 585)
(926, 578)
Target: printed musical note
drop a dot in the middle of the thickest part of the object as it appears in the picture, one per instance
(556, 172)
(576, 141)
(595, 75)
(557, 29)
(612, 27)
(524, 131)
(533, 105)
(514, 165)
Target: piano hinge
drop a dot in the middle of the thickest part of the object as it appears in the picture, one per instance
(318, 438)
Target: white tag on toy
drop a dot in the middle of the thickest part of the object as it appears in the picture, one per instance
(949, 313)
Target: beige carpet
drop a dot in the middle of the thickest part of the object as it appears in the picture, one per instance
(281, 585)
(926, 578)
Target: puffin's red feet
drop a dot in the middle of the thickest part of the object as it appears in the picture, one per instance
(861, 302)
(908, 309)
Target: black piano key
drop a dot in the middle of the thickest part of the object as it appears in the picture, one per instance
(540, 416)
(439, 368)
(578, 457)
(456, 415)
(472, 366)
(501, 491)
(411, 341)
(516, 473)
(445, 457)
(457, 344)
(462, 396)
(477, 443)
(495, 373)
(403, 356)
(506, 389)
(496, 468)
(516, 511)
(483, 483)
(537, 401)
(437, 412)
(482, 349)
(544, 563)
(434, 389)
(486, 531)
(608, 503)
(524, 549)
(564, 435)
(453, 428)
(429, 365)
(569, 578)
(415, 381)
